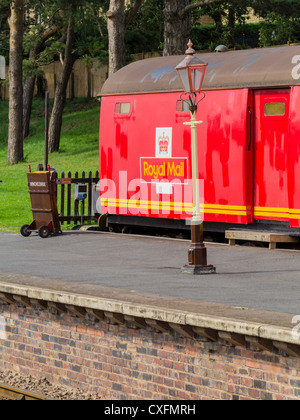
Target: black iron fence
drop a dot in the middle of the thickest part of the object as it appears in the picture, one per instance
(71, 209)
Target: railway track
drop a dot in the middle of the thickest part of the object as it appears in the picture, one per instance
(8, 392)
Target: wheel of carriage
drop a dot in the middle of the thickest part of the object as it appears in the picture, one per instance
(24, 231)
(44, 232)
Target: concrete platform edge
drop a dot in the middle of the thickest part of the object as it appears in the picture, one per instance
(262, 325)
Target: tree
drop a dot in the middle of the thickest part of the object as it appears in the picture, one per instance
(177, 23)
(37, 44)
(287, 8)
(116, 35)
(4, 27)
(232, 11)
(236, 11)
(70, 57)
(145, 30)
(15, 130)
(46, 33)
(116, 25)
(177, 26)
(281, 21)
(82, 20)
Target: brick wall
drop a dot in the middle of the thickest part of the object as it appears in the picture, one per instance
(122, 362)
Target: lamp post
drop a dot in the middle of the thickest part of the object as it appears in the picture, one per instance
(191, 72)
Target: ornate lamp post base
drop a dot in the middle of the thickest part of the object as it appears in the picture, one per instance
(198, 253)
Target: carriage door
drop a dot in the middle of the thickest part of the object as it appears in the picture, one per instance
(270, 154)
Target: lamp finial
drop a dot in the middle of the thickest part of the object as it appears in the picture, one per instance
(190, 50)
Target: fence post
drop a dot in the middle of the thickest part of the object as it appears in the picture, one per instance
(69, 193)
(76, 201)
(83, 201)
(62, 198)
(90, 176)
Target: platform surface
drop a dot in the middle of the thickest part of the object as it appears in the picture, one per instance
(247, 277)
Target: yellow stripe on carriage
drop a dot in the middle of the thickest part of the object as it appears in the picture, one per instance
(160, 205)
(277, 212)
(271, 212)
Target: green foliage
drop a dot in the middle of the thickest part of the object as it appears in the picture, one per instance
(281, 22)
(146, 32)
(208, 37)
(205, 37)
(286, 8)
(4, 29)
(30, 69)
(55, 13)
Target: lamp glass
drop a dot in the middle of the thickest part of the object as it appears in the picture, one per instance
(197, 78)
(184, 77)
(191, 73)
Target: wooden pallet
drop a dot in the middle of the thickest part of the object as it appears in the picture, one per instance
(271, 238)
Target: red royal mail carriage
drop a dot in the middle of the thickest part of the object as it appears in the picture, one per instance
(249, 143)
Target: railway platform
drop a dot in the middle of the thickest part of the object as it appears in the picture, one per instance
(114, 305)
(247, 277)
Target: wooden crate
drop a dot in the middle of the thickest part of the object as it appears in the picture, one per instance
(271, 238)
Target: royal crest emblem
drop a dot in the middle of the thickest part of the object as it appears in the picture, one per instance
(163, 142)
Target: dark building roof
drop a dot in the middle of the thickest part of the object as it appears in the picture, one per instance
(258, 68)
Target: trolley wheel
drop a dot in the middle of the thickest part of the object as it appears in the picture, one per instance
(44, 232)
(25, 232)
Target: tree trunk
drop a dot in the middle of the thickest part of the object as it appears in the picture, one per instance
(217, 17)
(29, 84)
(116, 33)
(15, 130)
(27, 103)
(177, 27)
(61, 91)
(231, 26)
(178, 23)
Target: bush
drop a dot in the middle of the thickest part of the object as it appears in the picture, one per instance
(208, 38)
(279, 30)
(275, 30)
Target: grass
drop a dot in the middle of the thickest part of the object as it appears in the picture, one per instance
(78, 152)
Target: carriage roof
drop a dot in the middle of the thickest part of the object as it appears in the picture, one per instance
(255, 68)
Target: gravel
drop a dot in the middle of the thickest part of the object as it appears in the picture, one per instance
(43, 387)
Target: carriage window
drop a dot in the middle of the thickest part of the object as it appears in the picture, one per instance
(183, 106)
(275, 109)
(122, 108)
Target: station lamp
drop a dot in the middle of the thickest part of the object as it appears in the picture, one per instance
(191, 71)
